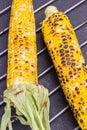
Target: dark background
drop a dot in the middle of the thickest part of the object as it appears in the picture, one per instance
(77, 15)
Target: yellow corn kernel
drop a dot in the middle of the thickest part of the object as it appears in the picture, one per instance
(63, 47)
(22, 57)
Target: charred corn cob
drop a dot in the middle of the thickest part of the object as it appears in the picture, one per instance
(22, 57)
(29, 99)
(68, 61)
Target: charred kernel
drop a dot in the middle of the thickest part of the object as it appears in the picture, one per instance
(60, 19)
(57, 72)
(15, 55)
(81, 121)
(59, 76)
(64, 82)
(71, 56)
(52, 31)
(78, 68)
(65, 42)
(69, 37)
(76, 88)
(67, 97)
(75, 73)
(67, 80)
(73, 64)
(16, 67)
(52, 52)
(74, 69)
(52, 27)
(81, 99)
(57, 52)
(67, 55)
(66, 46)
(71, 47)
(15, 38)
(60, 45)
(62, 54)
(54, 58)
(74, 96)
(86, 80)
(20, 40)
(82, 113)
(32, 65)
(26, 61)
(71, 76)
(67, 51)
(72, 50)
(62, 58)
(61, 50)
(78, 92)
(67, 59)
(70, 72)
(68, 63)
(63, 62)
(77, 51)
(58, 66)
(73, 60)
(55, 48)
(21, 44)
(72, 106)
(71, 100)
(79, 102)
(55, 24)
(84, 64)
(67, 28)
(50, 42)
(63, 37)
(62, 78)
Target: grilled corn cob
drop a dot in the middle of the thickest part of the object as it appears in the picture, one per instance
(22, 57)
(23, 92)
(69, 63)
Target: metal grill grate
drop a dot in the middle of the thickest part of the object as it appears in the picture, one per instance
(60, 114)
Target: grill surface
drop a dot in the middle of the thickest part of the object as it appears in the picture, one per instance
(61, 116)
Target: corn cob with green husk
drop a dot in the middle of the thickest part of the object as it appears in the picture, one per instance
(29, 99)
(68, 61)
